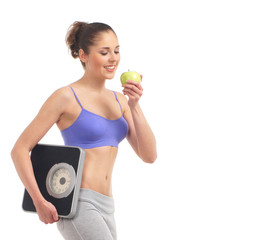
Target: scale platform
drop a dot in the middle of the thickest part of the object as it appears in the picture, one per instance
(58, 172)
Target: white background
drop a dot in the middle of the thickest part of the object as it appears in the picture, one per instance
(199, 65)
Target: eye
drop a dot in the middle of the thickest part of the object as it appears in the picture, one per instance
(116, 52)
(103, 53)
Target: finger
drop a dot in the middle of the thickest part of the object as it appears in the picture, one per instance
(132, 94)
(127, 93)
(137, 84)
(55, 216)
(51, 221)
(134, 88)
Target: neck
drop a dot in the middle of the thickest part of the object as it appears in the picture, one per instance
(92, 82)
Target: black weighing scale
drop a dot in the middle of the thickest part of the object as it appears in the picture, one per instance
(58, 172)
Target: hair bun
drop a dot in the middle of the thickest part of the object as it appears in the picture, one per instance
(73, 36)
(82, 35)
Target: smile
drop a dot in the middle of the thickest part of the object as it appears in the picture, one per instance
(110, 68)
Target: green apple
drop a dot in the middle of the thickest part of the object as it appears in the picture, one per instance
(134, 76)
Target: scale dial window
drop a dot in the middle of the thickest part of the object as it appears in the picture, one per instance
(60, 180)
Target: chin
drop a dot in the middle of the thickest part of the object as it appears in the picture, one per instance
(109, 76)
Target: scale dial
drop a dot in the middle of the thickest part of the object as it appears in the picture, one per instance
(60, 180)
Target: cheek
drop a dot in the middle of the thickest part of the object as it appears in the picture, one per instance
(99, 62)
(118, 59)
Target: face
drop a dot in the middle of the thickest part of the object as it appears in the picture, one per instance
(104, 56)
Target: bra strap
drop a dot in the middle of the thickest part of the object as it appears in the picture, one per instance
(118, 102)
(76, 97)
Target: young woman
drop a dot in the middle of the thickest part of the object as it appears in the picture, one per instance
(94, 118)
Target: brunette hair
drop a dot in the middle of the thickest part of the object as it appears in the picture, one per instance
(81, 35)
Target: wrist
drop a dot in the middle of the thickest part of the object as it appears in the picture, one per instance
(134, 106)
(38, 199)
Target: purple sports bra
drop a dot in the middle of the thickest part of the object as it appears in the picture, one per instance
(91, 130)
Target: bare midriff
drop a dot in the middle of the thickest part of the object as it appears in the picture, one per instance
(98, 167)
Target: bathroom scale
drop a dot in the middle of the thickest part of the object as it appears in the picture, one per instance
(58, 172)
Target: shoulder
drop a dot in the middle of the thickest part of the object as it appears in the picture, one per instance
(61, 97)
(62, 94)
(122, 99)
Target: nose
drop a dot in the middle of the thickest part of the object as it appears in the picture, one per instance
(113, 57)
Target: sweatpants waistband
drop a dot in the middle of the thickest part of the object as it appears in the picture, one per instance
(102, 202)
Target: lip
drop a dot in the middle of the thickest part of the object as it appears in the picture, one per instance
(110, 70)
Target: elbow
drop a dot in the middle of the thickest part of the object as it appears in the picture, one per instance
(17, 151)
(153, 159)
(150, 159)
(13, 154)
(148, 156)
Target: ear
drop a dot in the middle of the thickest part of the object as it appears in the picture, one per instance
(83, 56)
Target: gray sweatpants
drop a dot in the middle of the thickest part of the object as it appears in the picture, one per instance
(94, 219)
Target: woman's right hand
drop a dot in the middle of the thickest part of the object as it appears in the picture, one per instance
(46, 211)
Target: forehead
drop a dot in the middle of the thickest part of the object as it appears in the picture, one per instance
(106, 39)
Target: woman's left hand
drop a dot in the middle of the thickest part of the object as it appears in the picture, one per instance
(134, 91)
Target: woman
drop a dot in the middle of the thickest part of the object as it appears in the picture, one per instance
(94, 118)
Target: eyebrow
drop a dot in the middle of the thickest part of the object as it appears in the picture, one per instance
(109, 47)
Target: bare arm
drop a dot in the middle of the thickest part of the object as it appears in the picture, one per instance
(140, 135)
(143, 136)
(48, 115)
